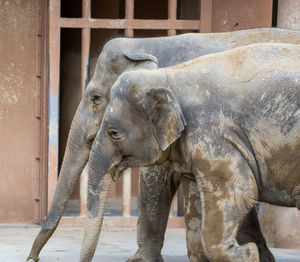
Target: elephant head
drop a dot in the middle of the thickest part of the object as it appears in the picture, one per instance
(140, 123)
(85, 125)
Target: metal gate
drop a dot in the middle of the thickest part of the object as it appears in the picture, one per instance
(86, 23)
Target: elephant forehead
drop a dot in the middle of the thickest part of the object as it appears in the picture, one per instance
(116, 105)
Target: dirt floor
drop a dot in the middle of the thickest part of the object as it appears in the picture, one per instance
(114, 245)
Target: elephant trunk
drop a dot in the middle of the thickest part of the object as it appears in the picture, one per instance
(100, 167)
(75, 159)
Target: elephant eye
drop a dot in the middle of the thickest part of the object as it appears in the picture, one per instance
(115, 134)
(96, 99)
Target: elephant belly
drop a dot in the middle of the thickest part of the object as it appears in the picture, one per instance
(281, 175)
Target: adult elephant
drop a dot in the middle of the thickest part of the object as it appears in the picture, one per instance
(155, 197)
(231, 120)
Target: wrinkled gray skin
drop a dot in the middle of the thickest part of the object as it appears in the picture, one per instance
(230, 120)
(155, 194)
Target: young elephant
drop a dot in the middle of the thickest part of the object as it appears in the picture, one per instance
(117, 56)
(230, 119)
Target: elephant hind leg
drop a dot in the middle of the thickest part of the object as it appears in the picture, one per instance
(219, 230)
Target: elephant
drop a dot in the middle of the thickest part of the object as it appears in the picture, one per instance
(117, 56)
(231, 120)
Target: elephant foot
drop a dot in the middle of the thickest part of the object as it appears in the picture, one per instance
(143, 256)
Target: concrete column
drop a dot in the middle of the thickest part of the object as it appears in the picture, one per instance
(288, 14)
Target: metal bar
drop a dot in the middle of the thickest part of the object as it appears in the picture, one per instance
(38, 123)
(206, 16)
(126, 205)
(172, 14)
(85, 77)
(180, 201)
(113, 190)
(128, 23)
(171, 213)
(83, 192)
(85, 45)
(44, 28)
(54, 58)
(127, 193)
(129, 13)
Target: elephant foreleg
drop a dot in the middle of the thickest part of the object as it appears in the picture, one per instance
(157, 186)
(249, 230)
(193, 218)
(227, 198)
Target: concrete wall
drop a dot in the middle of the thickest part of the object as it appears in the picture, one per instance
(228, 15)
(289, 14)
(17, 94)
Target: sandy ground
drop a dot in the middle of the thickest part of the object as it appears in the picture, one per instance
(114, 245)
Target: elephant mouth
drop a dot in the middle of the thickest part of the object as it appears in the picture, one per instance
(90, 139)
(119, 168)
(117, 172)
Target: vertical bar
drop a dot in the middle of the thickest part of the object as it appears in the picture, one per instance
(54, 58)
(180, 201)
(85, 75)
(172, 14)
(37, 122)
(127, 193)
(83, 191)
(206, 16)
(171, 213)
(289, 14)
(129, 13)
(113, 190)
(85, 45)
(44, 108)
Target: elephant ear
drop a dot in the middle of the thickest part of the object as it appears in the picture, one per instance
(164, 111)
(145, 60)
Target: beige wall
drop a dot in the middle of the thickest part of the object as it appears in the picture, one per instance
(289, 14)
(17, 92)
(228, 15)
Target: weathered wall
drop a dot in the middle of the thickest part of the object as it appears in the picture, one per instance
(280, 226)
(289, 14)
(228, 15)
(17, 92)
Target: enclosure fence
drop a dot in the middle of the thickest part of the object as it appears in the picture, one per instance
(86, 23)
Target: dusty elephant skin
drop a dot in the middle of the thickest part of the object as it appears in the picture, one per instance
(117, 56)
(231, 120)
